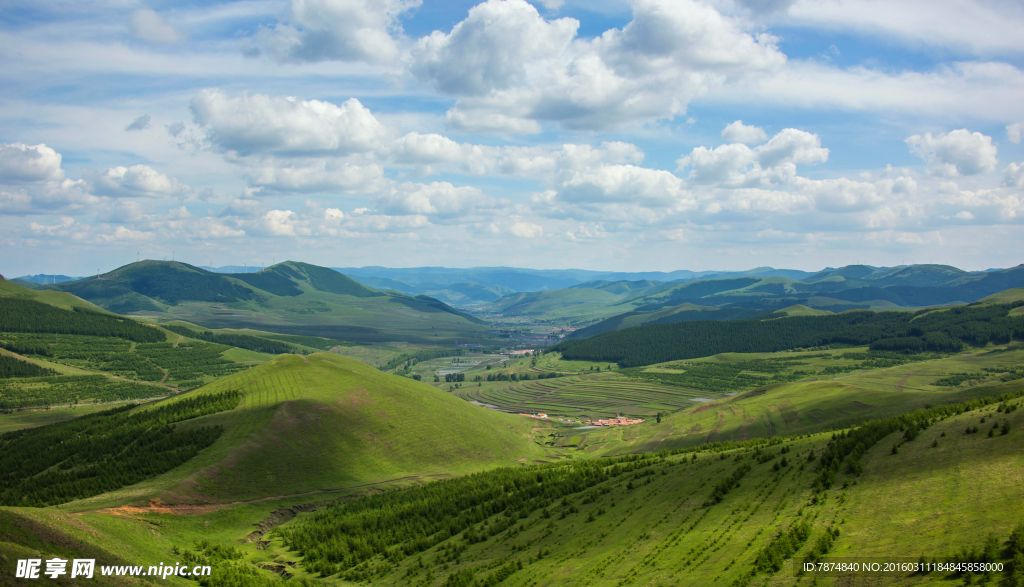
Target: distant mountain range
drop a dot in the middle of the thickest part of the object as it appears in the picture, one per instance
(497, 289)
(289, 298)
(833, 290)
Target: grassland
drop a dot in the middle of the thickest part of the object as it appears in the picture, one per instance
(814, 404)
(939, 496)
(326, 422)
(22, 419)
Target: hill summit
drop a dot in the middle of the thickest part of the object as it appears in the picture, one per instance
(288, 297)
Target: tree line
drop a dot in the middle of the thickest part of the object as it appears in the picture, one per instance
(18, 315)
(397, 524)
(419, 356)
(101, 452)
(945, 330)
(242, 341)
(11, 367)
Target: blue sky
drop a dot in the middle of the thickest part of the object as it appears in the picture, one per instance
(643, 135)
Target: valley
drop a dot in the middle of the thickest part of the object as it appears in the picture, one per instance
(290, 457)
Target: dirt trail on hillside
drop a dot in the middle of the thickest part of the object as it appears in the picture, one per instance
(899, 386)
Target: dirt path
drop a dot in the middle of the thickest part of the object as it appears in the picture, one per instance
(180, 339)
(899, 386)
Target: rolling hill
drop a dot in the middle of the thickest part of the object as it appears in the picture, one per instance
(292, 425)
(854, 287)
(739, 514)
(287, 298)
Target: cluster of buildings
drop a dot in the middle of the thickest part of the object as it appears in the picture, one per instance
(621, 421)
(616, 422)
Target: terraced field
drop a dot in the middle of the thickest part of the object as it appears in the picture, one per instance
(600, 394)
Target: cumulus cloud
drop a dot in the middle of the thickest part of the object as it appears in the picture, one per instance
(140, 123)
(510, 66)
(440, 199)
(257, 123)
(150, 26)
(737, 132)
(344, 30)
(495, 46)
(121, 234)
(1013, 176)
(527, 230)
(737, 165)
(134, 181)
(625, 184)
(959, 152)
(23, 163)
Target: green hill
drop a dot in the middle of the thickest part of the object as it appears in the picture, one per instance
(59, 299)
(326, 422)
(287, 298)
(798, 310)
(854, 287)
(974, 325)
(584, 302)
(918, 487)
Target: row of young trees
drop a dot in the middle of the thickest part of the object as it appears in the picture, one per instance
(399, 524)
(242, 341)
(419, 356)
(19, 315)
(945, 331)
(101, 452)
(11, 367)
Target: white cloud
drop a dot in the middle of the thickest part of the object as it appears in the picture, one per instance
(492, 49)
(440, 199)
(527, 230)
(949, 90)
(23, 163)
(208, 228)
(984, 27)
(150, 26)
(737, 132)
(737, 165)
(134, 181)
(243, 208)
(344, 30)
(313, 175)
(1014, 132)
(437, 151)
(59, 227)
(624, 184)
(279, 223)
(959, 152)
(126, 234)
(257, 123)
(510, 66)
(1013, 176)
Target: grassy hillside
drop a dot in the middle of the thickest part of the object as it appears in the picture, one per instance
(833, 290)
(288, 298)
(942, 331)
(59, 299)
(725, 515)
(323, 422)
